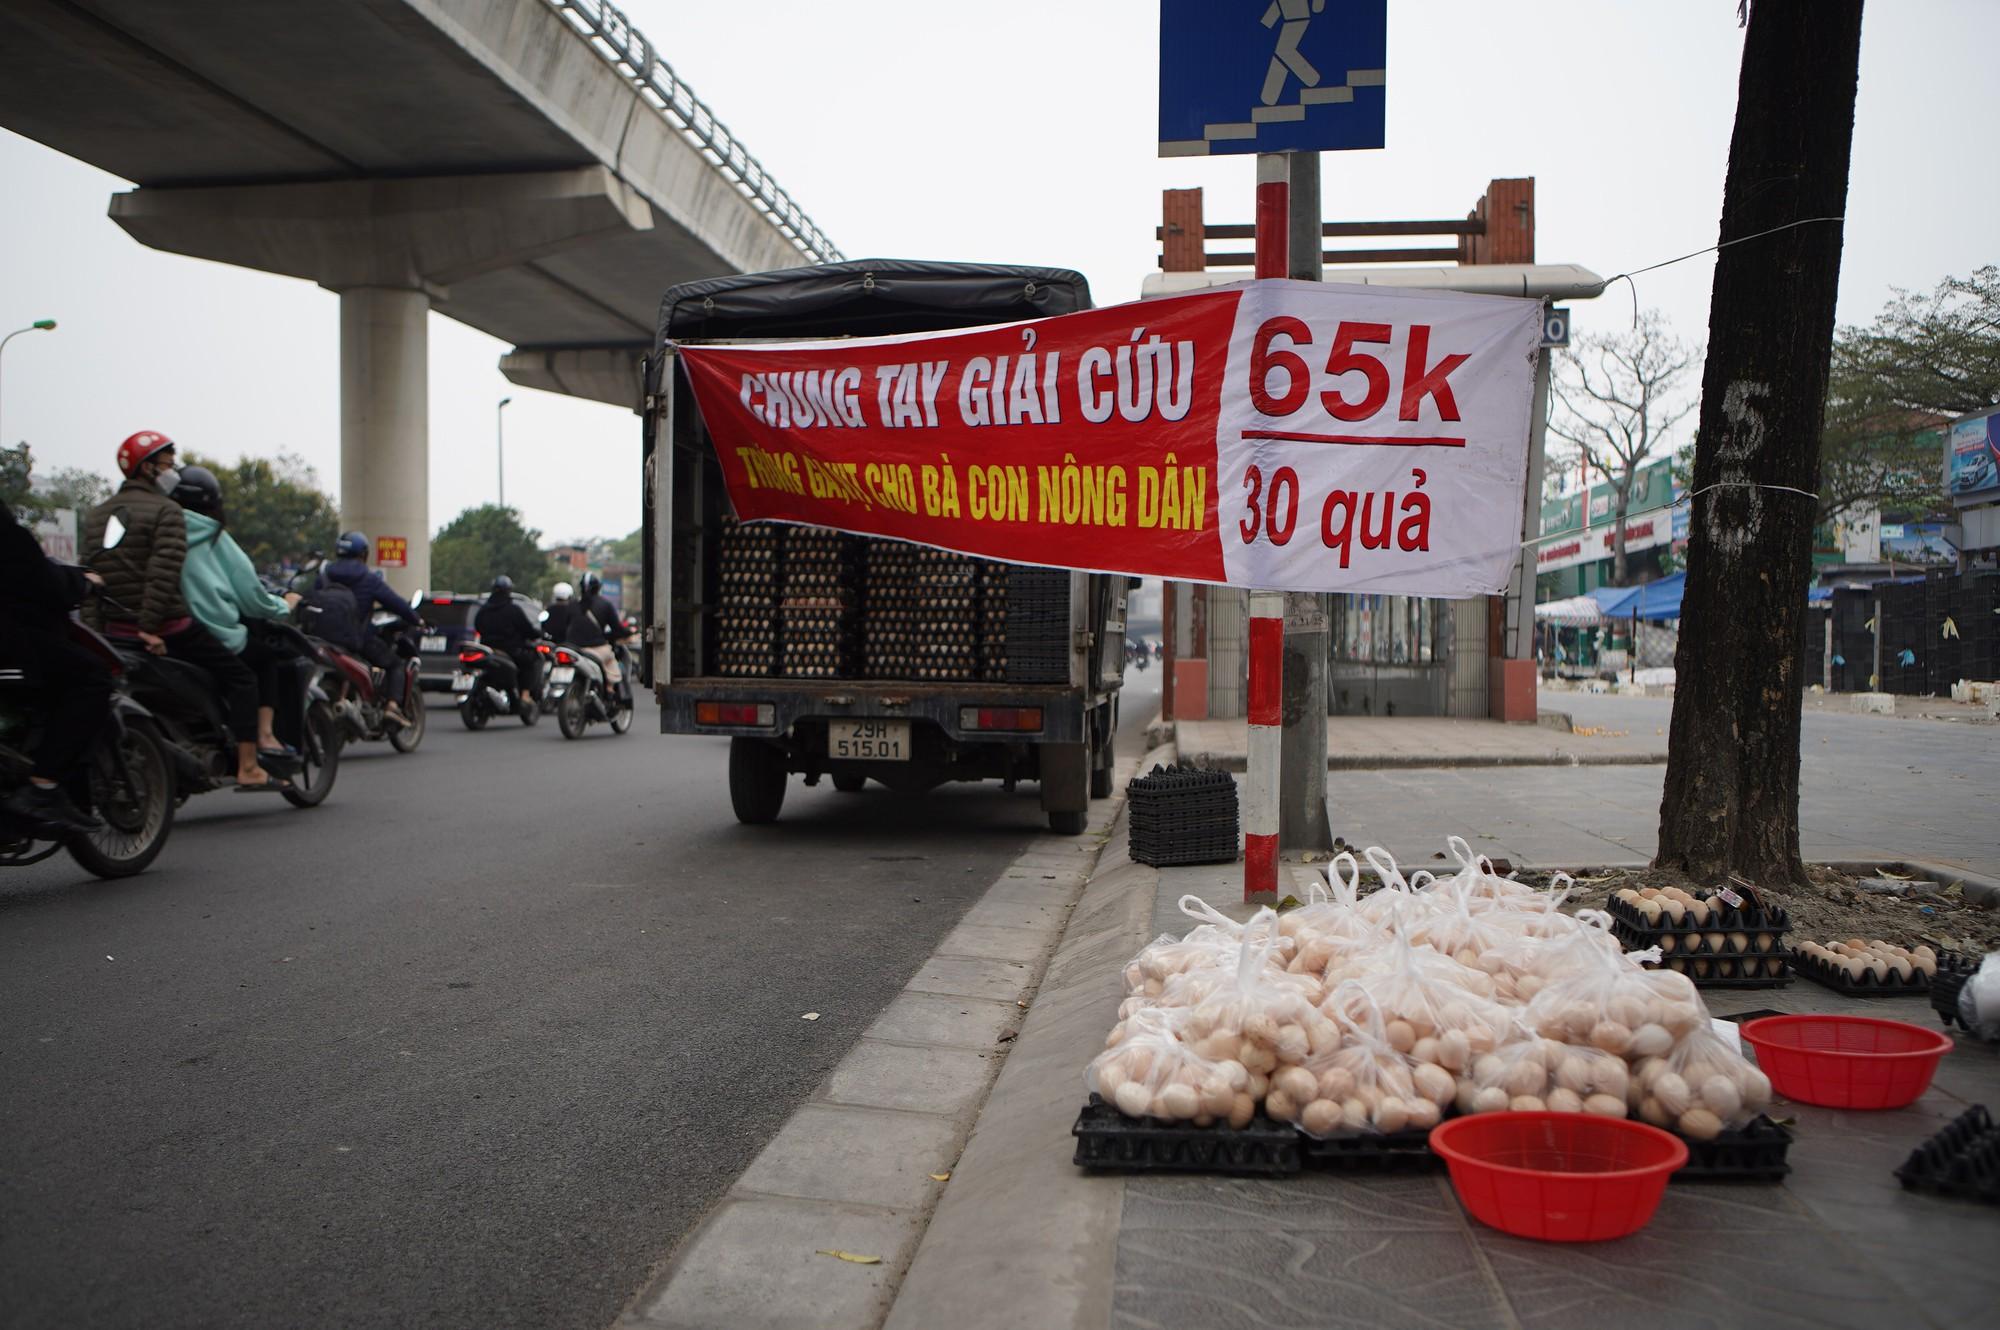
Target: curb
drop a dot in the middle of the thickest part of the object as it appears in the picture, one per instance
(1020, 1238)
(1447, 762)
(859, 1166)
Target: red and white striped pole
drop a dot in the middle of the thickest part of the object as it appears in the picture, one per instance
(1267, 608)
(1260, 811)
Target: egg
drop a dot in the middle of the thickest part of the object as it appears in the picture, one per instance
(1259, 1085)
(1649, 1041)
(1756, 1089)
(1321, 1117)
(1280, 1107)
(1490, 1099)
(1241, 1111)
(1296, 1084)
(1672, 1092)
(1668, 941)
(1177, 1103)
(1721, 1096)
(1402, 1036)
(1353, 1114)
(1526, 1103)
(1434, 1084)
(1650, 1111)
(1425, 1050)
(1454, 1050)
(1424, 1114)
(1737, 942)
(1216, 1097)
(1605, 1106)
(1525, 1076)
(1699, 1123)
(1293, 1044)
(1392, 1114)
(1336, 1083)
(1133, 1099)
(1565, 1101)
(1611, 1036)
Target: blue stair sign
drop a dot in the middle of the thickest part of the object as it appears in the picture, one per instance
(1271, 75)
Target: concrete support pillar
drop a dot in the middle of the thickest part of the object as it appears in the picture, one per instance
(385, 426)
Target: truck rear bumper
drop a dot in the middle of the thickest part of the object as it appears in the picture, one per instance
(942, 705)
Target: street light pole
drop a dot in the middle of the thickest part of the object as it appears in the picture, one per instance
(39, 325)
(500, 445)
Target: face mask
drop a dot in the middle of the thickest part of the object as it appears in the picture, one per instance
(167, 480)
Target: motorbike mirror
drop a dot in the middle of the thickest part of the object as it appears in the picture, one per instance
(114, 531)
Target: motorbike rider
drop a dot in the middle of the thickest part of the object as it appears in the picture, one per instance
(142, 597)
(594, 628)
(503, 625)
(555, 619)
(370, 589)
(223, 592)
(36, 596)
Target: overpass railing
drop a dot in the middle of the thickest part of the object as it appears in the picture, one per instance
(626, 49)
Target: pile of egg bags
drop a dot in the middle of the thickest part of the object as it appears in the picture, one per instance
(1353, 1014)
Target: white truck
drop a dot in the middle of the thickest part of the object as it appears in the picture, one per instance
(854, 658)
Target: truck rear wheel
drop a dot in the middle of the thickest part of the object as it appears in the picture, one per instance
(1068, 823)
(849, 784)
(756, 781)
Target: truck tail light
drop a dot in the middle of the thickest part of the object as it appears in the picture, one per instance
(734, 713)
(1018, 719)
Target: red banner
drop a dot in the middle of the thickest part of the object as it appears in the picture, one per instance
(1274, 434)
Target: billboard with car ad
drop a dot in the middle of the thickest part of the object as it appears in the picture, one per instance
(1975, 459)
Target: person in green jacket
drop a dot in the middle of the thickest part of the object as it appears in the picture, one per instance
(223, 592)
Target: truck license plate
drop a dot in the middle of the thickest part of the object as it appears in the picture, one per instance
(872, 740)
(433, 642)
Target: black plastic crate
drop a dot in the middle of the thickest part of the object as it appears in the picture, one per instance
(1963, 1160)
(1754, 1152)
(1108, 1140)
(1182, 815)
(1945, 991)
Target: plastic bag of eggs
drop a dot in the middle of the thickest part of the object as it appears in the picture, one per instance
(1534, 1075)
(1153, 1074)
(1698, 1088)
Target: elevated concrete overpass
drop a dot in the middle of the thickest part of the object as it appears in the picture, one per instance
(531, 168)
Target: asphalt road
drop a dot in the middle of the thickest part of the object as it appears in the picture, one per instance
(471, 1045)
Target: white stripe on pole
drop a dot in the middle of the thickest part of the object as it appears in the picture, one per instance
(1260, 812)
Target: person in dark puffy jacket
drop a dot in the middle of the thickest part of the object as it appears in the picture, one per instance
(372, 591)
(143, 597)
(503, 625)
(36, 596)
(597, 630)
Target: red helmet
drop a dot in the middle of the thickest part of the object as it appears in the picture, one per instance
(139, 447)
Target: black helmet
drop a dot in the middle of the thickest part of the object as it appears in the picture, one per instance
(588, 584)
(199, 491)
(351, 545)
(503, 585)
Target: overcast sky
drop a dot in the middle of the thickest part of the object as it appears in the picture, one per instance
(1021, 133)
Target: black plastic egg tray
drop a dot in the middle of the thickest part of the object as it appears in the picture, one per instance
(1963, 1160)
(1182, 815)
(1945, 990)
(1754, 1152)
(1633, 939)
(1917, 985)
(1107, 1139)
(1397, 1152)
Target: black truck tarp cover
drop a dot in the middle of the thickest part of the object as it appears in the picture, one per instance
(866, 298)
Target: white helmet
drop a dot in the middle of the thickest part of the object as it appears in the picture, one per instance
(563, 591)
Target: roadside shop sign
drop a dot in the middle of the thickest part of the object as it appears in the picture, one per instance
(1276, 434)
(1975, 456)
(1290, 76)
(392, 551)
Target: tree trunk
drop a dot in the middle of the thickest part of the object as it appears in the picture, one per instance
(1621, 505)
(1731, 801)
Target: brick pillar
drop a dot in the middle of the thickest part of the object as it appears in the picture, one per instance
(1184, 247)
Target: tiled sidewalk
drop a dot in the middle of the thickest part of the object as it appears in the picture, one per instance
(1369, 743)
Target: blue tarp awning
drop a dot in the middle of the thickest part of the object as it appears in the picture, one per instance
(1652, 600)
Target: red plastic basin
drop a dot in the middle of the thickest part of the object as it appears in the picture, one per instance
(1846, 1061)
(1559, 1177)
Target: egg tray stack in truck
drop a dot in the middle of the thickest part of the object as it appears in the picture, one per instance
(1337, 1034)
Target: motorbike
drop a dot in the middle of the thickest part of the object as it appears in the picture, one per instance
(127, 780)
(488, 684)
(585, 695)
(355, 690)
(189, 714)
